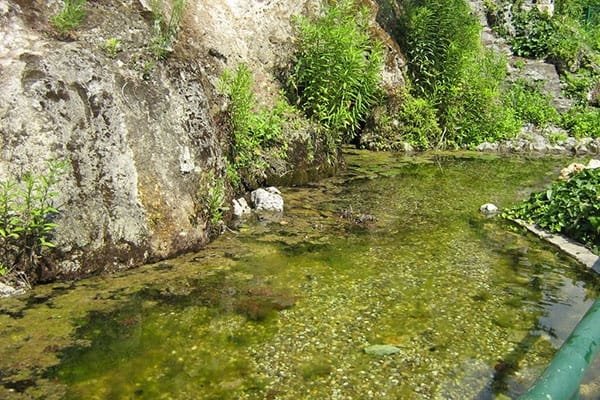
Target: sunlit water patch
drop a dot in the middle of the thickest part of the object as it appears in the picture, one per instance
(392, 252)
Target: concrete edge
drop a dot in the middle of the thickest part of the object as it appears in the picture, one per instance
(568, 246)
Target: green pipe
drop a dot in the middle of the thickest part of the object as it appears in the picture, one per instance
(561, 380)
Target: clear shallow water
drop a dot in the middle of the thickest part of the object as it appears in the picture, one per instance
(284, 310)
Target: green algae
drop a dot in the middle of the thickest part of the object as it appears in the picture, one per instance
(284, 311)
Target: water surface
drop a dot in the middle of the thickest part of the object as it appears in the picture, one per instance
(394, 251)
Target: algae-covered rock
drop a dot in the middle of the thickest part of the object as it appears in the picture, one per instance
(382, 350)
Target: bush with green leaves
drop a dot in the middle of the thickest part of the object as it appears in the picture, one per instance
(449, 67)
(533, 33)
(530, 104)
(165, 29)
(336, 77)
(582, 121)
(568, 207)
(402, 120)
(70, 16)
(27, 213)
(255, 129)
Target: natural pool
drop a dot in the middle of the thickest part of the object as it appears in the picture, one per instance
(284, 310)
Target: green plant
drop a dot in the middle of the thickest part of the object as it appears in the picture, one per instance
(216, 200)
(578, 85)
(582, 121)
(165, 30)
(530, 104)
(27, 211)
(417, 123)
(520, 64)
(255, 129)
(70, 16)
(337, 70)
(112, 46)
(570, 207)
(448, 66)
(533, 33)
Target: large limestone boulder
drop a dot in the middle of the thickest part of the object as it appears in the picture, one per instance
(136, 142)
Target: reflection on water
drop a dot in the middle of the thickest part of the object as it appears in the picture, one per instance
(392, 252)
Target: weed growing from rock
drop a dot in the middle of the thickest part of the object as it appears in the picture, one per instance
(27, 212)
(112, 46)
(165, 30)
(69, 17)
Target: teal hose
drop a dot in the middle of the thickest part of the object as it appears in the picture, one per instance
(561, 380)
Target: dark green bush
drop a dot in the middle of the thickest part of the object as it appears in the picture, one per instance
(533, 33)
(569, 207)
(337, 70)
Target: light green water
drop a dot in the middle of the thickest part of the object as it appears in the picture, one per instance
(284, 310)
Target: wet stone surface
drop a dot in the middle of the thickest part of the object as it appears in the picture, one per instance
(285, 310)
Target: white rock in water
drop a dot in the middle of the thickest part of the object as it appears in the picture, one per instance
(268, 199)
(241, 207)
(488, 209)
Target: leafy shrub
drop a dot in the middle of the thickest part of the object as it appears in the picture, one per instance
(27, 211)
(69, 17)
(337, 70)
(473, 111)
(404, 120)
(569, 207)
(255, 129)
(417, 123)
(533, 33)
(568, 45)
(165, 30)
(440, 36)
(578, 85)
(448, 66)
(582, 122)
(530, 104)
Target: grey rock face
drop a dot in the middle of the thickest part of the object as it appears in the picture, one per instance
(135, 146)
(268, 199)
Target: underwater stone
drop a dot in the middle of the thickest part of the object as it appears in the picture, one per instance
(382, 350)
